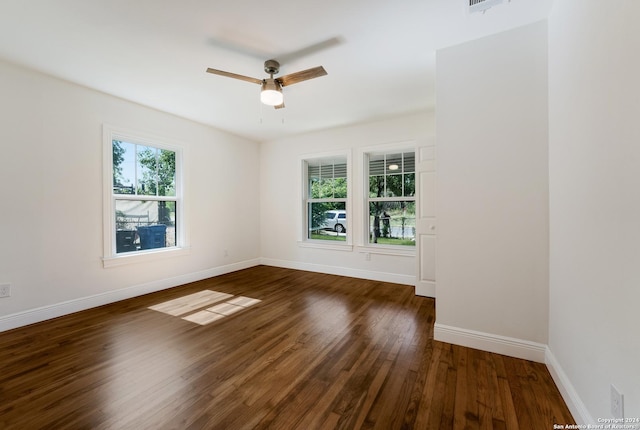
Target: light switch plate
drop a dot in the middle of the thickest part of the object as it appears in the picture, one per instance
(5, 290)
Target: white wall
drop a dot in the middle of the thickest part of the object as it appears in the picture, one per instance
(492, 193)
(594, 151)
(51, 188)
(280, 202)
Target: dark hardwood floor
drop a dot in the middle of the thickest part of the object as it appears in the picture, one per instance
(318, 352)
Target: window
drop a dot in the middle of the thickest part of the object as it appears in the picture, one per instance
(144, 201)
(326, 199)
(391, 198)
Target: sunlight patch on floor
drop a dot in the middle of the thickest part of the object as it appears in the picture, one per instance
(192, 302)
(203, 317)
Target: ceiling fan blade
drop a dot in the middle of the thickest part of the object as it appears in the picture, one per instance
(242, 47)
(303, 75)
(308, 50)
(235, 76)
(280, 106)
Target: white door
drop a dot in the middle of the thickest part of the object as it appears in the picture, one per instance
(426, 220)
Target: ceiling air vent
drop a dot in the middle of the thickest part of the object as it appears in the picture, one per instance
(482, 5)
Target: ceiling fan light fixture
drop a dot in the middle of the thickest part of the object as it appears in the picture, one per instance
(271, 89)
(271, 93)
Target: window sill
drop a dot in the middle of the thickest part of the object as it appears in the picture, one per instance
(387, 250)
(321, 245)
(144, 256)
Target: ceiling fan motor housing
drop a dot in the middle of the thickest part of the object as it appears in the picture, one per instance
(272, 67)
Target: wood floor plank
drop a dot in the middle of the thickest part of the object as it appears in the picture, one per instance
(505, 396)
(305, 351)
(429, 403)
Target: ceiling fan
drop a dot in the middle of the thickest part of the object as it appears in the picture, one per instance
(271, 92)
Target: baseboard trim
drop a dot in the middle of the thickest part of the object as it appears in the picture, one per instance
(568, 392)
(341, 271)
(44, 313)
(491, 342)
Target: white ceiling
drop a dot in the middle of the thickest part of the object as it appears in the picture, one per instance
(380, 60)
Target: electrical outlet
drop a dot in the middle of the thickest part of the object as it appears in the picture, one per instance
(5, 290)
(617, 403)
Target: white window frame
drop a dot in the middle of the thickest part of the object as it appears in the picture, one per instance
(110, 257)
(303, 239)
(364, 246)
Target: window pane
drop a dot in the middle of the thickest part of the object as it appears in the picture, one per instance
(327, 221)
(409, 162)
(410, 185)
(376, 165)
(166, 173)
(325, 188)
(146, 170)
(376, 186)
(394, 164)
(314, 171)
(144, 225)
(314, 188)
(340, 170)
(124, 167)
(392, 223)
(340, 188)
(394, 186)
